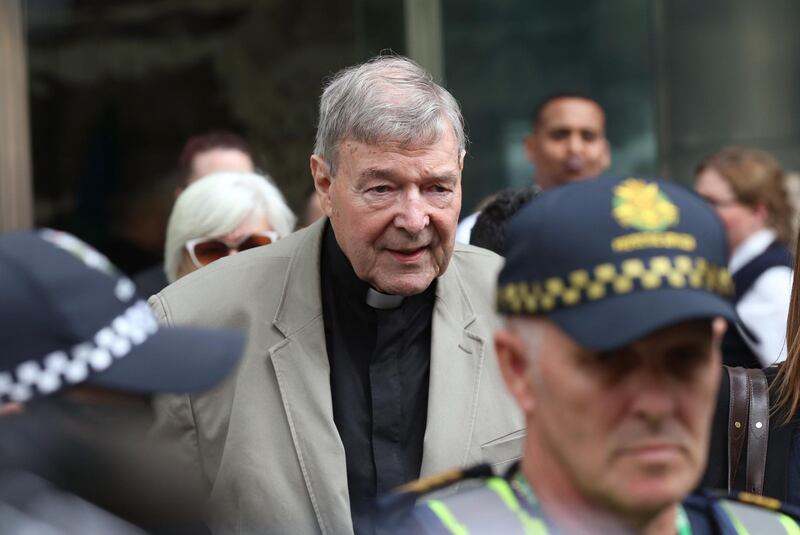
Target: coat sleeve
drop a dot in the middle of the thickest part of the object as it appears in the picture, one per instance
(174, 426)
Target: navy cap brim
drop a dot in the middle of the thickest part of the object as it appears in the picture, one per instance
(175, 360)
(620, 320)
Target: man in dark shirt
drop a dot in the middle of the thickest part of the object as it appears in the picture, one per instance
(380, 360)
(370, 360)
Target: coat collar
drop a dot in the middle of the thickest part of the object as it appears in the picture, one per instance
(301, 296)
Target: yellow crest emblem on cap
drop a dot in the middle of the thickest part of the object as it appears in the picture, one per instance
(643, 206)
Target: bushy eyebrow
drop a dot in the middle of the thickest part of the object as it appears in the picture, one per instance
(373, 173)
(449, 180)
(377, 172)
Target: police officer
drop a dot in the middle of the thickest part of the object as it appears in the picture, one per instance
(614, 292)
(81, 354)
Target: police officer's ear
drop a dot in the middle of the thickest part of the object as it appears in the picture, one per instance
(321, 171)
(718, 328)
(515, 366)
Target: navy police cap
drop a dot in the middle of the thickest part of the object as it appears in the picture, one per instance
(67, 317)
(611, 260)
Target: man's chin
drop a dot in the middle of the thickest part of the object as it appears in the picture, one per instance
(405, 278)
(574, 176)
(406, 289)
(405, 284)
(654, 494)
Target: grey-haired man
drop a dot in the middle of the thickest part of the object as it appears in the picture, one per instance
(370, 359)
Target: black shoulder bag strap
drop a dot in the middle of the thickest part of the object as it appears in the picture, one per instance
(757, 431)
(748, 424)
(738, 408)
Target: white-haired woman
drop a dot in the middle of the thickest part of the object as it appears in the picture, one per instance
(221, 214)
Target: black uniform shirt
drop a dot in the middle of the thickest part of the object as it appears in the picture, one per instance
(380, 362)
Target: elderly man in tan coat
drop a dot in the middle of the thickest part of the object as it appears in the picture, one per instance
(369, 360)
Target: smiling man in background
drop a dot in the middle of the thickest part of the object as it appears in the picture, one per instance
(370, 359)
(568, 141)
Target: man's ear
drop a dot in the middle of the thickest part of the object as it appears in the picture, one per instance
(718, 328)
(530, 144)
(606, 155)
(320, 170)
(515, 367)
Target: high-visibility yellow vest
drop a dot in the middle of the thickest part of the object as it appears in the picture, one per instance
(495, 507)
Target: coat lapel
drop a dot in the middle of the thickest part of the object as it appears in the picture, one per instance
(303, 373)
(457, 356)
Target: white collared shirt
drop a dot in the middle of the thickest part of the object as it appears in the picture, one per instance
(464, 231)
(765, 306)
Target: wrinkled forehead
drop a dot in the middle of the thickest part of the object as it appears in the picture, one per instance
(433, 135)
(436, 150)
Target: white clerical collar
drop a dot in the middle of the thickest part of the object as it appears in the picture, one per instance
(751, 248)
(383, 301)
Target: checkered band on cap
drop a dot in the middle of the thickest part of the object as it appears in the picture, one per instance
(58, 369)
(607, 280)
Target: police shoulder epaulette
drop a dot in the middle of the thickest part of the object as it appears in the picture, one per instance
(768, 503)
(444, 479)
(764, 502)
(401, 498)
(755, 499)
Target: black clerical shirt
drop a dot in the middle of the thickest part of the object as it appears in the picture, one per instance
(380, 362)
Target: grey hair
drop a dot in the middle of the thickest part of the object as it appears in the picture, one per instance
(530, 332)
(387, 99)
(218, 203)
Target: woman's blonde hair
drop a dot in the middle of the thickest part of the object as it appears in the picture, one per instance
(218, 203)
(755, 178)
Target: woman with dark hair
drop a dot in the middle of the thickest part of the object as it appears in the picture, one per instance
(746, 187)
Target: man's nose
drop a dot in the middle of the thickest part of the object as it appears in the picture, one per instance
(653, 395)
(575, 143)
(413, 214)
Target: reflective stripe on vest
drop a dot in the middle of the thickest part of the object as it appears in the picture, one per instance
(447, 519)
(493, 508)
(751, 520)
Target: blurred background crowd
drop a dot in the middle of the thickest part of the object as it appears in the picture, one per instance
(99, 97)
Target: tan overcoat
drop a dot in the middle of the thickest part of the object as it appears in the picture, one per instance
(265, 439)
